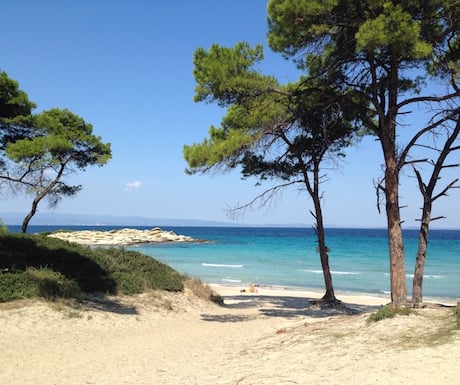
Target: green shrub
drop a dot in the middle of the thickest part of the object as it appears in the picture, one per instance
(42, 266)
(135, 272)
(389, 312)
(52, 285)
(16, 286)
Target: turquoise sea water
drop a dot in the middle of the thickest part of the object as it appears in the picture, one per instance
(287, 257)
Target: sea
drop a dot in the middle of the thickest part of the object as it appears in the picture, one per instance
(287, 257)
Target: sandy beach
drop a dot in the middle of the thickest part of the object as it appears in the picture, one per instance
(268, 337)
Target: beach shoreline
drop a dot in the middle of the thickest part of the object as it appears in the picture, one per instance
(316, 293)
(269, 337)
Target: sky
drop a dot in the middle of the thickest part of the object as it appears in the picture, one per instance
(126, 68)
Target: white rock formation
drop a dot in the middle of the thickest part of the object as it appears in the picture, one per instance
(120, 237)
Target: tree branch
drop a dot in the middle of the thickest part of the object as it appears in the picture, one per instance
(421, 99)
(264, 198)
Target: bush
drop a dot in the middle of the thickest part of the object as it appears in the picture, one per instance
(16, 286)
(36, 265)
(135, 272)
(52, 285)
(389, 312)
(20, 252)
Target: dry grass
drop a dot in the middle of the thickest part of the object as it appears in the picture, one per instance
(203, 291)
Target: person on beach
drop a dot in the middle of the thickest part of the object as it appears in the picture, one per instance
(251, 289)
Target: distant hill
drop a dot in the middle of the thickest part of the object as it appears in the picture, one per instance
(51, 219)
(55, 219)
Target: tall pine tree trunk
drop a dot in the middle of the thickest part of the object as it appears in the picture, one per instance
(398, 284)
(395, 242)
(321, 236)
(324, 257)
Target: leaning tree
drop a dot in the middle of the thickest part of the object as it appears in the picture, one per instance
(58, 143)
(271, 132)
(384, 51)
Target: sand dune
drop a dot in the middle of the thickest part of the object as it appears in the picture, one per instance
(271, 337)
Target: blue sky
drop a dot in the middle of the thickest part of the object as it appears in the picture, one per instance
(126, 67)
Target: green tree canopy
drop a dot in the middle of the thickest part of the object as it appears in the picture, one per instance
(59, 143)
(383, 50)
(13, 101)
(15, 112)
(271, 131)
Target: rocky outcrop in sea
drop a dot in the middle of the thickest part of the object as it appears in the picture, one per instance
(120, 237)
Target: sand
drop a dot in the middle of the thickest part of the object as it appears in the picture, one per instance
(269, 337)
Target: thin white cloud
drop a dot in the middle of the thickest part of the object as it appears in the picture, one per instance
(129, 186)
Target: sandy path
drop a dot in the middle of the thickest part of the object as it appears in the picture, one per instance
(269, 338)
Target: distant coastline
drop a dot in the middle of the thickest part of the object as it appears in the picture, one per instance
(88, 220)
(60, 219)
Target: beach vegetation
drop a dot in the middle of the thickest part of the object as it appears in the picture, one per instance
(203, 290)
(40, 266)
(438, 327)
(390, 312)
(456, 312)
(71, 313)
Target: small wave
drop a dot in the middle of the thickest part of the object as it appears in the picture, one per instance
(332, 272)
(220, 265)
(428, 276)
(231, 280)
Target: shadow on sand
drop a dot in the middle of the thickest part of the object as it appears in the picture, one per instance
(105, 304)
(284, 307)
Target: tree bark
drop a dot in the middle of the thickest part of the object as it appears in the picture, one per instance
(32, 212)
(329, 295)
(398, 283)
(417, 283)
(324, 257)
(387, 134)
(395, 241)
(45, 191)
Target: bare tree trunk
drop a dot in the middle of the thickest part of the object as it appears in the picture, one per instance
(396, 246)
(395, 239)
(324, 257)
(45, 191)
(417, 293)
(31, 213)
